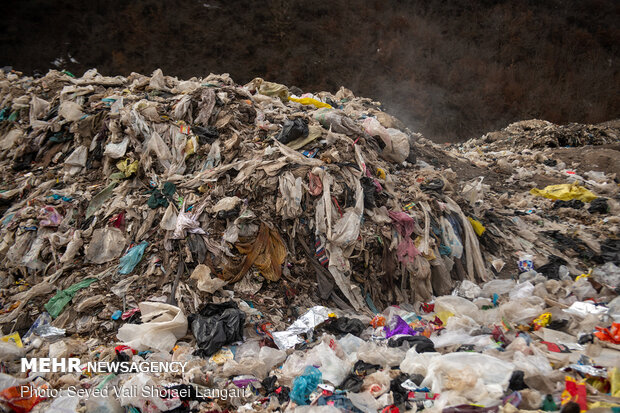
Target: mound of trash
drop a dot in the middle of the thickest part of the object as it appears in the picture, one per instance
(295, 252)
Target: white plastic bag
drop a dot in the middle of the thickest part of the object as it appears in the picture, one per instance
(163, 324)
(106, 245)
(290, 203)
(71, 111)
(116, 150)
(204, 281)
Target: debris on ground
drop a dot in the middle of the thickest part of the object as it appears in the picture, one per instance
(298, 253)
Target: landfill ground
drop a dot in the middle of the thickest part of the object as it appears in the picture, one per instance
(298, 253)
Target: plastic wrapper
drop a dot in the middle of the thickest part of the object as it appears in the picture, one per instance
(303, 325)
(163, 324)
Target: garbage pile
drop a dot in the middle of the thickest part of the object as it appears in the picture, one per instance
(294, 252)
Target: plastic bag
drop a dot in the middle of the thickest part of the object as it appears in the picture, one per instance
(149, 402)
(292, 130)
(454, 305)
(116, 150)
(106, 245)
(103, 405)
(499, 287)
(204, 281)
(468, 289)
(338, 121)
(310, 101)
(21, 400)
(163, 324)
(479, 378)
(216, 325)
(333, 369)
(71, 111)
(98, 200)
(128, 262)
(522, 290)
(372, 353)
(267, 253)
(608, 274)
(377, 383)
(523, 310)
(565, 192)
(56, 304)
(304, 385)
(290, 189)
(303, 325)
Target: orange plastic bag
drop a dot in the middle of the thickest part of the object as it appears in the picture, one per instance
(609, 334)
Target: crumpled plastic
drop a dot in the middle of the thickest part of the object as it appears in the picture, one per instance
(404, 224)
(305, 384)
(162, 325)
(128, 262)
(303, 325)
(267, 253)
(565, 192)
(398, 326)
(106, 245)
(58, 302)
(216, 325)
(310, 101)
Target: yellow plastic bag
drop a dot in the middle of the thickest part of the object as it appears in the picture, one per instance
(477, 226)
(541, 321)
(13, 338)
(310, 101)
(565, 192)
(127, 168)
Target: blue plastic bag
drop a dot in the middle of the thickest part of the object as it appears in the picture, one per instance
(129, 261)
(304, 385)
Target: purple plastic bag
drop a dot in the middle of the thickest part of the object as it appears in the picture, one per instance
(398, 326)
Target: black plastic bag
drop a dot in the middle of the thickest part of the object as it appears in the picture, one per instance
(610, 251)
(197, 247)
(573, 203)
(551, 268)
(599, 205)
(216, 325)
(206, 134)
(352, 383)
(422, 344)
(293, 129)
(516, 382)
(369, 188)
(344, 325)
(362, 368)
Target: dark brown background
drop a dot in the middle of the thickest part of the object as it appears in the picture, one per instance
(449, 69)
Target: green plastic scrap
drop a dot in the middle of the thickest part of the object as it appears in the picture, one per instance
(56, 304)
(98, 200)
(161, 198)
